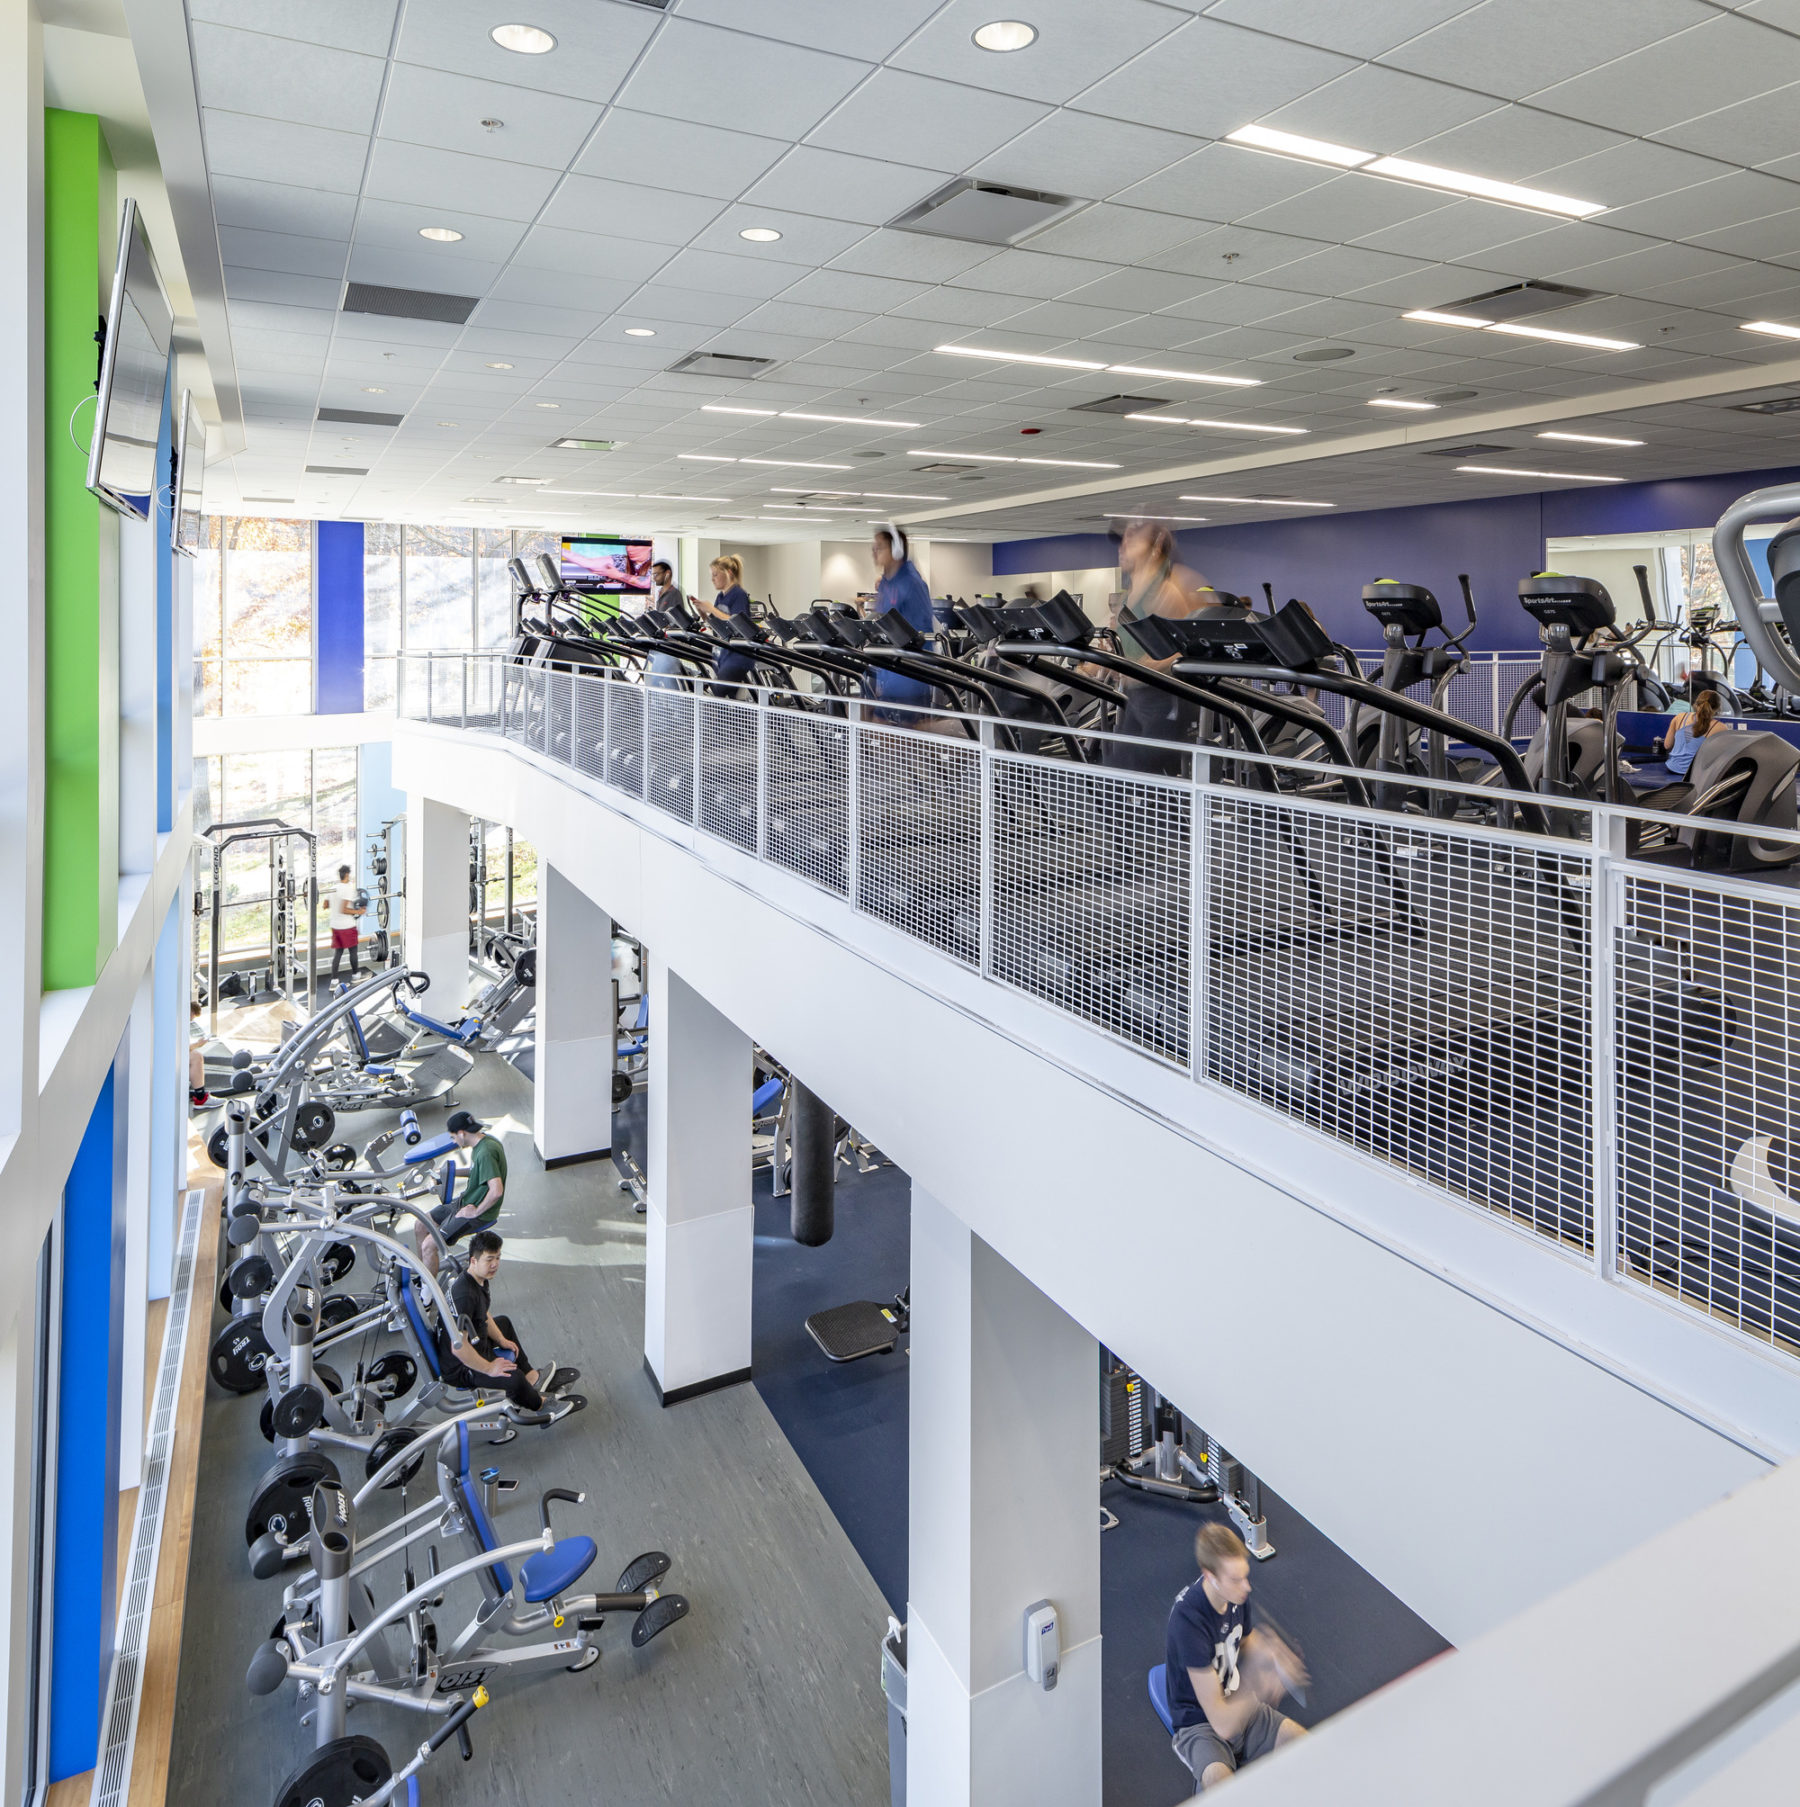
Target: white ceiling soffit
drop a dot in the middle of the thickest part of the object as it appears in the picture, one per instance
(165, 68)
(601, 220)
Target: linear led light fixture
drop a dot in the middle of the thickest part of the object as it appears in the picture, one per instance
(870, 495)
(1218, 426)
(845, 420)
(1114, 515)
(632, 495)
(1388, 401)
(1501, 470)
(1590, 439)
(1257, 501)
(1072, 464)
(1433, 317)
(792, 464)
(1030, 357)
(1418, 175)
(1773, 328)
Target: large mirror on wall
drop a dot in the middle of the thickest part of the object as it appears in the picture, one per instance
(187, 526)
(134, 364)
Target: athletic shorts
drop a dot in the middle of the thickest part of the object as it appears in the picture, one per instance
(1199, 1746)
(453, 1228)
(343, 937)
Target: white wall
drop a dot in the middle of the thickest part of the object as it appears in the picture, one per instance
(1093, 586)
(846, 569)
(958, 567)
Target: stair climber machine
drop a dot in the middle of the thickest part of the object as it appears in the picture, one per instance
(1408, 614)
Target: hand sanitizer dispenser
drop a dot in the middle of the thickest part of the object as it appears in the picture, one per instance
(1043, 1644)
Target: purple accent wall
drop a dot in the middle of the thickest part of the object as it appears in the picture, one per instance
(1327, 558)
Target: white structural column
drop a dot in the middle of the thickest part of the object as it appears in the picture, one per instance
(700, 1224)
(437, 903)
(571, 1114)
(1004, 1513)
(135, 1097)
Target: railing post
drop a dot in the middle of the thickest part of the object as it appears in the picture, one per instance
(694, 788)
(986, 931)
(1199, 998)
(1604, 915)
(852, 809)
(430, 687)
(465, 692)
(1496, 714)
(762, 775)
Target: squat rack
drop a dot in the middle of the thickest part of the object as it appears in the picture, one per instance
(284, 938)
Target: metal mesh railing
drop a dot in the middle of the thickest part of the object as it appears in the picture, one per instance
(1597, 1050)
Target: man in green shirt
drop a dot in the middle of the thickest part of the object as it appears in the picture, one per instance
(481, 1196)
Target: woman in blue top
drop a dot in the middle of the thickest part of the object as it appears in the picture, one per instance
(901, 587)
(1681, 739)
(730, 667)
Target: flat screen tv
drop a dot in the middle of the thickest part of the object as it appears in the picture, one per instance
(187, 524)
(134, 366)
(607, 564)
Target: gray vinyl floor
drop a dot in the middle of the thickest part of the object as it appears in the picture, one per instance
(768, 1693)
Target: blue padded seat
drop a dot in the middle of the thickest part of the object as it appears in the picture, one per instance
(554, 1571)
(765, 1095)
(428, 1150)
(1159, 1696)
(427, 1343)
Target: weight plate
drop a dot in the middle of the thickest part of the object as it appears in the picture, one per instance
(313, 1124)
(266, 1420)
(338, 1308)
(298, 1410)
(525, 966)
(339, 1156)
(249, 1277)
(218, 1145)
(621, 1087)
(336, 1260)
(393, 1376)
(327, 1377)
(346, 1770)
(386, 1447)
(282, 1502)
(238, 1354)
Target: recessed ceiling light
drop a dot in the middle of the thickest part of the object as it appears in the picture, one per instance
(373, 389)
(546, 404)
(1773, 328)
(1590, 439)
(760, 235)
(1501, 470)
(499, 367)
(440, 235)
(1217, 426)
(640, 332)
(1073, 464)
(527, 40)
(1386, 401)
(1433, 317)
(1029, 357)
(449, 423)
(527, 481)
(1006, 34)
(1418, 175)
(1257, 501)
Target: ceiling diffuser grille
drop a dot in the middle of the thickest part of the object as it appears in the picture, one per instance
(337, 470)
(719, 363)
(360, 417)
(408, 304)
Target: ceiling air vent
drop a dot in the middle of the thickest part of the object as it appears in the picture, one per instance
(1776, 404)
(983, 211)
(656, 6)
(360, 417)
(1517, 300)
(1121, 404)
(408, 304)
(939, 469)
(337, 470)
(719, 363)
(1465, 451)
(287, 499)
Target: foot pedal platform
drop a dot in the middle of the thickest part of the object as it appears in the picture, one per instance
(651, 1566)
(657, 1617)
(846, 1333)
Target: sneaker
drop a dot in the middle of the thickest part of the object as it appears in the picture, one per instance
(199, 1097)
(562, 1405)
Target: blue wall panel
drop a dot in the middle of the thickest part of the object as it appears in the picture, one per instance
(338, 616)
(84, 1596)
(1327, 558)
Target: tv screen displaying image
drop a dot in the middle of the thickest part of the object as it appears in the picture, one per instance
(134, 365)
(607, 565)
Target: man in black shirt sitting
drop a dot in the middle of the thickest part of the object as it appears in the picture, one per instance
(487, 1352)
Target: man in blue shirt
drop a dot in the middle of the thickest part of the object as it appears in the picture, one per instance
(902, 588)
(1224, 1678)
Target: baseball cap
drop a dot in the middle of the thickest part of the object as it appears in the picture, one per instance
(462, 1122)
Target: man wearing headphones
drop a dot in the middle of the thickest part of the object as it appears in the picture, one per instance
(901, 587)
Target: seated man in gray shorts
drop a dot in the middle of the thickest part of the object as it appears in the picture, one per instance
(481, 1196)
(1225, 1678)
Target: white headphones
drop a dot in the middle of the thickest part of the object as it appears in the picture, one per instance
(896, 538)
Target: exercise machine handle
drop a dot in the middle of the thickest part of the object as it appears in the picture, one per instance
(453, 1726)
(556, 1493)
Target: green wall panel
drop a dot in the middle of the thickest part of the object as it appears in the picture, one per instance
(81, 541)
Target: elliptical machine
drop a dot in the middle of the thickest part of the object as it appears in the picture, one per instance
(1408, 613)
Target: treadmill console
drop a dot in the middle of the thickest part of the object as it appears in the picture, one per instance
(1410, 607)
(1580, 604)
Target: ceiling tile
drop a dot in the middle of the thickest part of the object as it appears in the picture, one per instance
(283, 251)
(626, 211)
(726, 275)
(1463, 230)
(401, 267)
(1755, 131)
(790, 317)
(776, 89)
(1233, 303)
(1729, 200)
(1224, 182)
(1068, 321)
(1138, 289)
(1776, 236)
(651, 149)
(1030, 273)
(397, 223)
(1119, 234)
(365, 25)
(846, 289)
(598, 254)
(310, 84)
(812, 180)
(245, 284)
(435, 107)
(279, 207)
(568, 322)
(432, 178)
(805, 238)
(914, 256)
(1707, 67)
(959, 307)
(1076, 40)
(662, 299)
(1633, 170)
(597, 41)
(271, 150)
(1234, 253)
(859, 31)
(1345, 269)
(896, 331)
(1177, 83)
(279, 321)
(1379, 109)
(943, 126)
(1084, 154)
(1519, 47)
(1519, 143)
(1347, 207)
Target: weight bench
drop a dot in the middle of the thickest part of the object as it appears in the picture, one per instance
(846, 1333)
(1159, 1696)
(541, 1577)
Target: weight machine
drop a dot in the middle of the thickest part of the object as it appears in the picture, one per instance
(283, 898)
(381, 869)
